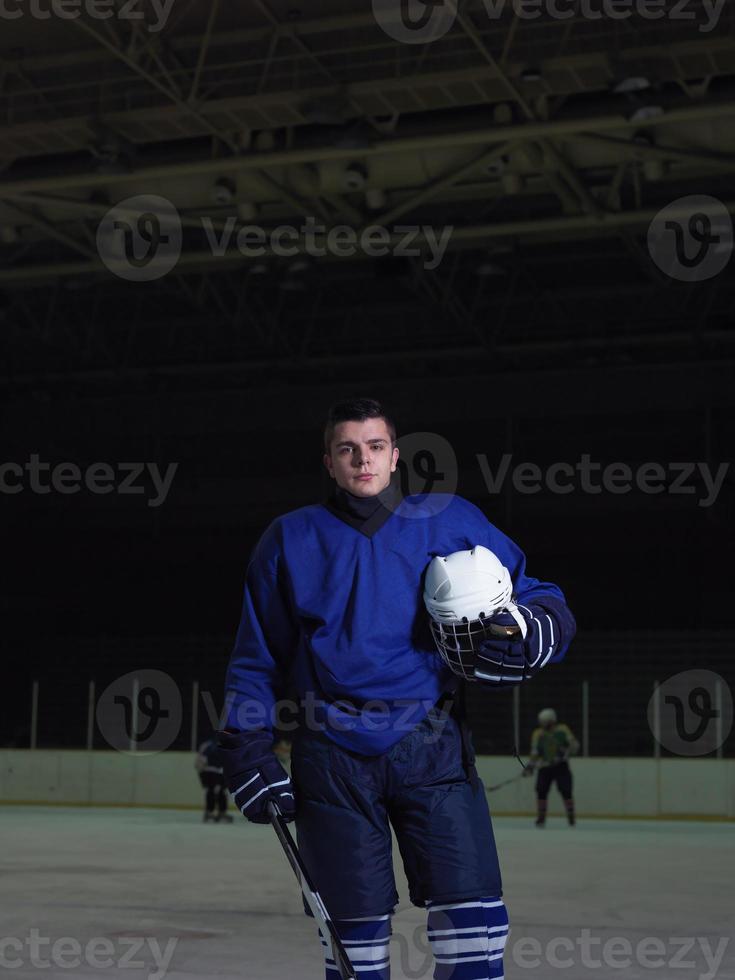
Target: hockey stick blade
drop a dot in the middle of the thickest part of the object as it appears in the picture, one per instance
(312, 896)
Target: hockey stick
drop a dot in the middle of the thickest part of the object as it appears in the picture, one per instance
(526, 769)
(491, 789)
(312, 896)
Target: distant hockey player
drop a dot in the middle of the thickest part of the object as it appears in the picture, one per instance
(333, 606)
(211, 776)
(551, 746)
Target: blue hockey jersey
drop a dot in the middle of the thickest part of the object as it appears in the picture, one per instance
(338, 617)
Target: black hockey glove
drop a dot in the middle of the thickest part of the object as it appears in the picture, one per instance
(505, 661)
(255, 777)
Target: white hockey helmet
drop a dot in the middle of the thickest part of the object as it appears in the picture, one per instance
(462, 593)
(547, 716)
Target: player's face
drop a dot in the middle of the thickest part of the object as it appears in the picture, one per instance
(361, 457)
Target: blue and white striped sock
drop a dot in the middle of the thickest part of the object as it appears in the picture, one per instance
(366, 942)
(468, 939)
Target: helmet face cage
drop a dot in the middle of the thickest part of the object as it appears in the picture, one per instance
(458, 643)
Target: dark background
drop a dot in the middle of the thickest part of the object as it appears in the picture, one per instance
(101, 584)
(576, 343)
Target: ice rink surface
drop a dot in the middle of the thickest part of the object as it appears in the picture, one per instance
(147, 893)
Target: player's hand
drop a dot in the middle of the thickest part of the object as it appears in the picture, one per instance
(542, 639)
(255, 777)
(254, 789)
(505, 661)
(501, 662)
(501, 659)
(528, 771)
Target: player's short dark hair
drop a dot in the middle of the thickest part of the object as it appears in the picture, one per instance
(355, 410)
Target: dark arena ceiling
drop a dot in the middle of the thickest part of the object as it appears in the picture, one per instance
(543, 148)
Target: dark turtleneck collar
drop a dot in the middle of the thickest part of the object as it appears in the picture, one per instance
(365, 514)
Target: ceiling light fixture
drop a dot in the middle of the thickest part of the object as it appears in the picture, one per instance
(531, 75)
(488, 268)
(375, 198)
(223, 191)
(633, 83)
(354, 177)
(644, 113)
(247, 210)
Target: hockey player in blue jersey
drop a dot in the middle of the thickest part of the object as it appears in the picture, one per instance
(334, 609)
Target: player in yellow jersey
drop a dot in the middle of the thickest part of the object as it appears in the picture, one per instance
(551, 746)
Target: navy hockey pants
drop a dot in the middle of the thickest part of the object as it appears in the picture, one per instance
(560, 774)
(346, 802)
